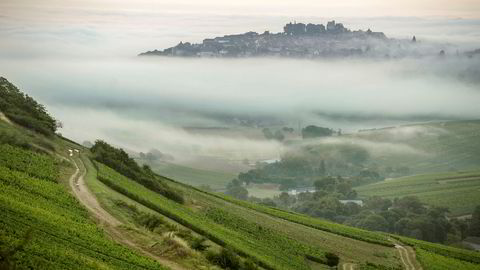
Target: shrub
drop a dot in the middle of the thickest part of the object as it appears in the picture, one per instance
(198, 243)
(332, 259)
(226, 259)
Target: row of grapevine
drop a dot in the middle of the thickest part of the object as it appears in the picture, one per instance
(34, 164)
(46, 227)
(457, 253)
(316, 223)
(432, 261)
(268, 254)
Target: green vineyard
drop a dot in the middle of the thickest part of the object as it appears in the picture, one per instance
(43, 227)
(458, 191)
(278, 254)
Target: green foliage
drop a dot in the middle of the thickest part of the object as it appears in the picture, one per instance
(315, 132)
(198, 243)
(372, 266)
(236, 190)
(119, 160)
(33, 164)
(475, 222)
(24, 110)
(226, 259)
(432, 261)
(62, 234)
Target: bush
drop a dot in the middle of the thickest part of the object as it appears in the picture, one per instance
(332, 259)
(149, 221)
(198, 243)
(226, 259)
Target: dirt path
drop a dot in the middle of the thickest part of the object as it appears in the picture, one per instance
(77, 184)
(107, 221)
(407, 256)
(348, 266)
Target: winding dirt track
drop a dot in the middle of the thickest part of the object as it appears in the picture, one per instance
(107, 221)
(407, 256)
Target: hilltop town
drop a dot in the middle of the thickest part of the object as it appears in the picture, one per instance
(296, 40)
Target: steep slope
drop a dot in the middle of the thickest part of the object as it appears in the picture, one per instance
(43, 227)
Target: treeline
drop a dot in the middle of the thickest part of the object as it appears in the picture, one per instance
(408, 216)
(120, 161)
(302, 169)
(24, 110)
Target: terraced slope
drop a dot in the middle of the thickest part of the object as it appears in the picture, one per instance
(43, 227)
(459, 191)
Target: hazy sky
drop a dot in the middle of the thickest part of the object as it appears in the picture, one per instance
(108, 28)
(366, 8)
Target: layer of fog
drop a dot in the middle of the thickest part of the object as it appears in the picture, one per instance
(141, 104)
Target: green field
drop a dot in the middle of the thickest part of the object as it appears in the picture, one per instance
(427, 148)
(432, 261)
(193, 176)
(459, 191)
(46, 226)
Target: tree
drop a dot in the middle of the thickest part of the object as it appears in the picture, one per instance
(374, 222)
(475, 222)
(286, 199)
(315, 132)
(325, 183)
(322, 170)
(236, 190)
(278, 135)
(267, 133)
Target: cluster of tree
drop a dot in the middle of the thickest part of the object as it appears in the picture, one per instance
(406, 216)
(340, 185)
(120, 161)
(302, 170)
(24, 110)
(154, 155)
(278, 134)
(316, 132)
(236, 190)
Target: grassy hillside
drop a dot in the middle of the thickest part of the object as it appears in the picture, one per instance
(43, 227)
(458, 191)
